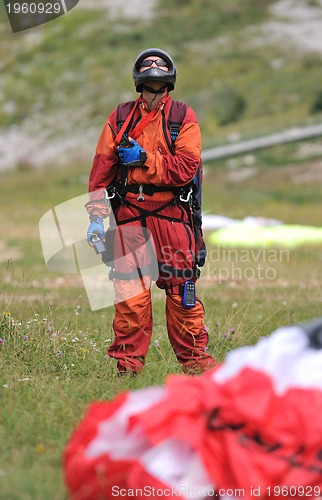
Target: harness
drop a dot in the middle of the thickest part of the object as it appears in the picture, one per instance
(189, 196)
(125, 121)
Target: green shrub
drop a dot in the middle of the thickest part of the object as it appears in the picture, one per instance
(316, 106)
(229, 106)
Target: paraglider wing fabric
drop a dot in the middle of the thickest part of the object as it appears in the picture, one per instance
(253, 422)
(102, 451)
(254, 236)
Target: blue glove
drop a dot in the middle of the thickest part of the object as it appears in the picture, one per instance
(132, 155)
(95, 228)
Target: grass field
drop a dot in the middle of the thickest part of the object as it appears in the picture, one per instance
(66, 77)
(53, 350)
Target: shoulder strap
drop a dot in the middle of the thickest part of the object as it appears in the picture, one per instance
(176, 116)
(124, 114)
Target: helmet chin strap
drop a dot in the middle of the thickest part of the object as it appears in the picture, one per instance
(153, 91)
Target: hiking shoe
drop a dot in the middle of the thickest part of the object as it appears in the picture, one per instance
(126, 373)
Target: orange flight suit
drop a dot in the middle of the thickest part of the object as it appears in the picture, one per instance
(172, 236)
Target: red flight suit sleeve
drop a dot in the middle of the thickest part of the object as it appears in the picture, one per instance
(104, 170)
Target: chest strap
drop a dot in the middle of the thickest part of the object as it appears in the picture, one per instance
(148, 189)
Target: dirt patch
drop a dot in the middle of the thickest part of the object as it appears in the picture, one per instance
(27, 298)
(297, 22)
(7, 253)
(124, 8)
(310, 175)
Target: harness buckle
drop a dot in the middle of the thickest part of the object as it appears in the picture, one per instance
(185, 200)
(140, 197)
(110, 193)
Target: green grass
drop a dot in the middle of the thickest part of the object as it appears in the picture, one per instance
(53, 361)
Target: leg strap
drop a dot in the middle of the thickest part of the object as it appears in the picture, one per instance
(147, 213)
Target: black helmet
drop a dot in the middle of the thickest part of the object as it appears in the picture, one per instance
(154, 73)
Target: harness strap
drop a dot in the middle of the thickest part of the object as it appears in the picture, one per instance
(120, 134)
(137, 131)
(137, 272)
(112, 194)
(146, 213)
(148, 189)
(187, 274)
(168, 270)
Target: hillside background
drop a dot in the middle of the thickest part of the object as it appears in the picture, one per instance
(248, 68)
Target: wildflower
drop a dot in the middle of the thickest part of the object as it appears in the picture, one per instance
(157, 344)
(1, 341)
(40, 448)
(60, 354)
(206, 348)
(25, 337)
(7, 315)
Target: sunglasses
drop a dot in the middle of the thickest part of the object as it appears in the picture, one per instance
(148, 62)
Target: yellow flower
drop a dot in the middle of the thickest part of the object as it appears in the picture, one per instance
(40, 448)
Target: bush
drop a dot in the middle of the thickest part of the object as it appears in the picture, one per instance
(316, 106)
(229, 106)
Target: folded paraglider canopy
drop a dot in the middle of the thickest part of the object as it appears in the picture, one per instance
(240, 430)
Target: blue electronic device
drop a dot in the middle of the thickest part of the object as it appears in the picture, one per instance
(189, 294)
